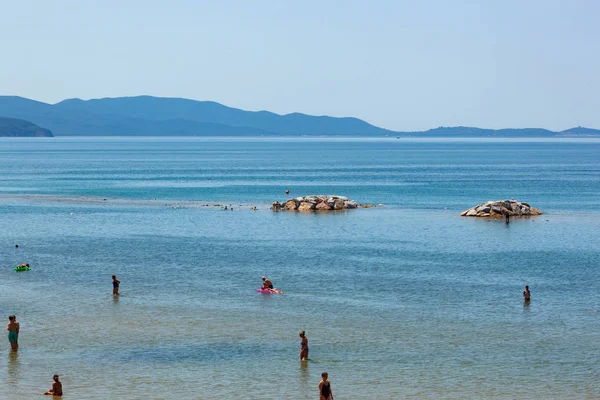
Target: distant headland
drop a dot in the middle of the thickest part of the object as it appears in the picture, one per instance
(14, 127)
(160, 116)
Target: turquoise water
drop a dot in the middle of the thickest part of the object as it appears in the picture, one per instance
(407, 300)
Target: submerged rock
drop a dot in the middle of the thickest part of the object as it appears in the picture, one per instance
(501, 208)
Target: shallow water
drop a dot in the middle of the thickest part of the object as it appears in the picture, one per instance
(407, 300)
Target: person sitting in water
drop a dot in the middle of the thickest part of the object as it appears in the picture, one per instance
(56, 388)
(267, 284)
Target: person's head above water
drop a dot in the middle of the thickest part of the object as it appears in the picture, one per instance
(324, 375)
(11, 317)
(302, 333)
(114, 277)
(55, 377)
(264, 278)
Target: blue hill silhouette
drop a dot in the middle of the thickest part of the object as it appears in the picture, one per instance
(14, 127)
(159, 116)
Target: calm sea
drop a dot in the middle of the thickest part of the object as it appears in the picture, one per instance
(403, 301)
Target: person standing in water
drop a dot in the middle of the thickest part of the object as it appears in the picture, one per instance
(303, 346)
(325, 388)
(13, 332)
(115, 284)
(526, 294)
(18, 327)
(56, 387)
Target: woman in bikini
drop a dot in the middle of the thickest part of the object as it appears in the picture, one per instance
(303, 346)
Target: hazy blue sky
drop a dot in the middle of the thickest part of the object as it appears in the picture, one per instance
(397, 64)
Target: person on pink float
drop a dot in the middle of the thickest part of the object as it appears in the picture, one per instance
(267, 284)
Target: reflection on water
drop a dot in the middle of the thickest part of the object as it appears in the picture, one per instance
(304, 372)
(14, 368)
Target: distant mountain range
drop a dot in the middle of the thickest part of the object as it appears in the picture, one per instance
(13, 127)
(159, 116)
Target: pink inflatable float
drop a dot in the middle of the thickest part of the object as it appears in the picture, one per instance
(269, 291)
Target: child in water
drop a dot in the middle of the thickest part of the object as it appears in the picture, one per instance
(325, 388)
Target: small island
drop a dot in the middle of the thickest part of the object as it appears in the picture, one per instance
(14, 127)
(501, 208)
(317, 203)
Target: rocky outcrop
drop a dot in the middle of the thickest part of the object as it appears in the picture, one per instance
(501, 208)
(317, 203)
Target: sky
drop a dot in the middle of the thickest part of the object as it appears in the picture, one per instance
(401, 65)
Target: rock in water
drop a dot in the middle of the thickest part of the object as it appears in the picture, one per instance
(501, 208)
(318, 203)
(306, 206)
(323, 206)
(291, 205)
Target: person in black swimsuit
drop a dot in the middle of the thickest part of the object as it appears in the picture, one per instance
(325, 388)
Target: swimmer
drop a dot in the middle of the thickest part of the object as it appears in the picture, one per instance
(56, 387)
(115, 284)
(303, 346)
(267, 284)
(13, 332)
(526, 294)
(325, 388)
(287, 191)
